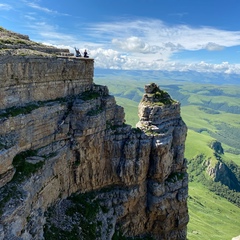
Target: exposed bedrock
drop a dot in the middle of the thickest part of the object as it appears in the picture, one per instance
(69, 165)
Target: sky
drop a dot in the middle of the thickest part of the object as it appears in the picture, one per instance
(172, 35)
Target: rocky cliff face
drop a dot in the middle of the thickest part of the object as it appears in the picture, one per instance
(225, 172)
(70, 168)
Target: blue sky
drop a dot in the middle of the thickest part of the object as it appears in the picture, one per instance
(182, 35)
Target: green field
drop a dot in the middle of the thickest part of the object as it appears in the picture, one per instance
(211, 217)
(211, 112)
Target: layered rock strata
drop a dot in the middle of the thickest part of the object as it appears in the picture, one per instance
(25, 79)
(70, 166)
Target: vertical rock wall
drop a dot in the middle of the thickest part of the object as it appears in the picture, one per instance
(25, 79)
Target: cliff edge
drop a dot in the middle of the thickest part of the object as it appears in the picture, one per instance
(70, 168)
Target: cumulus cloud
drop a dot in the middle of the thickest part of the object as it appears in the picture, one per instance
(213, 47)
(146, 45)
(108, 58)
(135, 44)
(152, 40)
(112, 59)
(150, 44)
(173, 47)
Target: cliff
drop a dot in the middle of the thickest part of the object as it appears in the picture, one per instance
(70, 168)
(221, 170)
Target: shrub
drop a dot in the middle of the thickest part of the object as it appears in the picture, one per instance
(23, 168)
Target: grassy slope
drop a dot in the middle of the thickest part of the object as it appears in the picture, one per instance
(211, 217)
(222, 126)
(233, 157)
(196, 144)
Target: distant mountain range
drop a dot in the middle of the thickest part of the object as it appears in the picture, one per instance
(188, 76)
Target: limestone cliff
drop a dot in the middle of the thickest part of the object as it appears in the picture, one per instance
(70, 168)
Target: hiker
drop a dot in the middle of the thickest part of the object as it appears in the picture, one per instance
(78, 54)
(85, 54)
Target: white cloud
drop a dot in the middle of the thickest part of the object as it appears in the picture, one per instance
(173, 47)
(146, 45)
(149, 44)
(156, 33)
(43, 9)
(113, 59)
(51, 34)
(109, 58)
(5, 6)
(29, 17)
(135, 44)
(213, 47)
(36, 6)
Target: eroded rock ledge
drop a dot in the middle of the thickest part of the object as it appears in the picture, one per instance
(70, 166)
